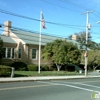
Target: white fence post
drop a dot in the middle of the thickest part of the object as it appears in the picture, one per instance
(12, 72)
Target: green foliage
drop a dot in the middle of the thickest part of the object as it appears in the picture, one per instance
(35, 67)
(94, 58)
(61, 52)
(81, 37)
(47, 51)
(44, 68)
(96, 46)
(32, 67)
(21, 66)
(44, 73)
(73, 55)
(5, 70)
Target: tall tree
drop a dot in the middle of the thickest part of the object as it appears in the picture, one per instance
(61, 52)
(81, 38)
(94, 59)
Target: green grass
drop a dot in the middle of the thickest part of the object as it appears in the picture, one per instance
(44, 73)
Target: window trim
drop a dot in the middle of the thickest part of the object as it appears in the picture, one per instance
(18, 53)
(11, 51)
(35, 54)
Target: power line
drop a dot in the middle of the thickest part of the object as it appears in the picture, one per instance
(60, 6)
(31, 31)
(17, 15)
(30, 35)
(67, 1)
(75, 4)
(93, 19)
(95, 37)
(58, 24)
(79, 6)
(97, 15)
(64, 25)
(96, 33)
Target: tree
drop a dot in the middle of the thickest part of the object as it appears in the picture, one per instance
(1, 50)
(96, 46)
(61, 52)
(94, 58)
(81, 37)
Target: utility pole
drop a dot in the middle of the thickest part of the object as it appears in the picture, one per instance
(88, 26)
(40, 44)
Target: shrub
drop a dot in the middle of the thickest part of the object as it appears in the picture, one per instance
(32, 67)
(53, 67)
(19, 66)
(5, 70)
(45, 68)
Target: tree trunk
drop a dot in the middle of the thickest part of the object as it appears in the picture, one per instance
(58, 67)
(94, 67)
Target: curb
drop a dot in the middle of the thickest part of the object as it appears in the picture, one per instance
(46, 78)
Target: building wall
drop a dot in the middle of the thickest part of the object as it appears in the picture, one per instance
(8, 61)
(29, 59)
(26, 49)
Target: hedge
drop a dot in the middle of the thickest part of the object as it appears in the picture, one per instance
(19, 66)
(5, 70)
(32, 67)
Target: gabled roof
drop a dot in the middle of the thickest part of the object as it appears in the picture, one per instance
(33, 38)
(7, 39)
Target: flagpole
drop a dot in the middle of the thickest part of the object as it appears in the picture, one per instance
(40, 44)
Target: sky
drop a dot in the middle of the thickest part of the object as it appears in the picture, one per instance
(65, 17)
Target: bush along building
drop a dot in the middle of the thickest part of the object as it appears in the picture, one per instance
(22, 45)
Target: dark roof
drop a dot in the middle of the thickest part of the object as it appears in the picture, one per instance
(7, 39)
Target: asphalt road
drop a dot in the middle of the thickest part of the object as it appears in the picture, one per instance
(73, 89)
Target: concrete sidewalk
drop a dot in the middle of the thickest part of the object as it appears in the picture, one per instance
(19, 79)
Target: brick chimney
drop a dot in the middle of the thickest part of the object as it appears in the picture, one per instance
(7, 26)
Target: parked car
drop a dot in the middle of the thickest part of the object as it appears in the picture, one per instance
(73, 67)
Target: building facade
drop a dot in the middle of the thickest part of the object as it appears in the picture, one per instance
(22, 45)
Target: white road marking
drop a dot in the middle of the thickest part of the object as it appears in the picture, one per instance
(89, 81)
(79, 83)
(69, 86)
(89, 85)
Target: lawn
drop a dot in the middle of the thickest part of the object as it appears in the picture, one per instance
(44, 73)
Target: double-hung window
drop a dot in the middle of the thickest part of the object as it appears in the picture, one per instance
(33, 53)
(20, 53)
(8, 52)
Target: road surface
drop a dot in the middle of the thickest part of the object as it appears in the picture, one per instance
(73, 89)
